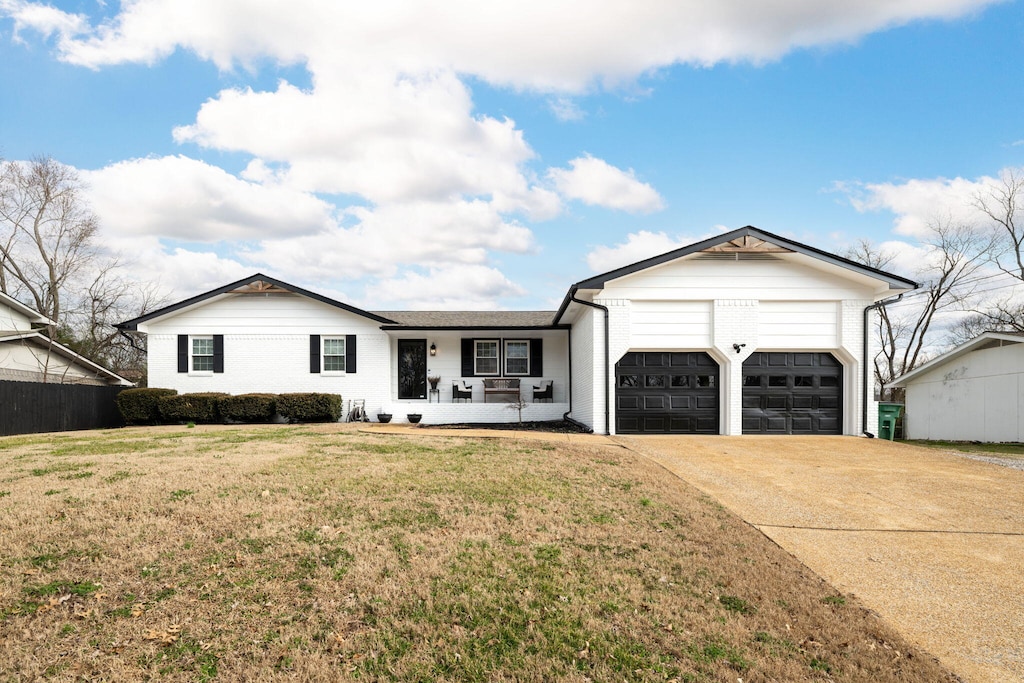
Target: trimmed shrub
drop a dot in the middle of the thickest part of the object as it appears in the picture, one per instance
(140, 406)
(198, 408)
(309, 407)
(249, 407)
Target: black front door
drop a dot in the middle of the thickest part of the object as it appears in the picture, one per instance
(412, 368)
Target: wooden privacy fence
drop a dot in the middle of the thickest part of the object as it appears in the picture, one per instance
(32, 407)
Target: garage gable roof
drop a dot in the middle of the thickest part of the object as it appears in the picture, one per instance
(746, 239)
(985, 339)
(743, 240)
(254, 284)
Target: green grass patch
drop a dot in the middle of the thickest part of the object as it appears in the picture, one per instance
(1015, 450)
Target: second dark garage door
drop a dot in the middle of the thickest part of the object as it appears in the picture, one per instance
(666, 393)
(792, 393)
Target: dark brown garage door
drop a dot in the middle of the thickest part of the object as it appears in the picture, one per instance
(666, 393)
(792, 393)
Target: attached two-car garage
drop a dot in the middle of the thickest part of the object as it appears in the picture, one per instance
(680, 392)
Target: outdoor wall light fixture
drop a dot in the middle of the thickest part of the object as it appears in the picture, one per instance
(738, 347)
(433, 349)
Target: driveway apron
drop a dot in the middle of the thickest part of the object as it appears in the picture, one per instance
(931, 541)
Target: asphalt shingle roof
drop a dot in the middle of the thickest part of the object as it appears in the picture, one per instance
(463, 319)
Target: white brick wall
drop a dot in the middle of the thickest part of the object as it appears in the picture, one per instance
(735, 321)
(587, 355)
(266, 349)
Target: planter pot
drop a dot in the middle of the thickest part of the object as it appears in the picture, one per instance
(384, 417)
(414, 417)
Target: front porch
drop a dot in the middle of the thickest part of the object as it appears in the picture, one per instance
(473, 413)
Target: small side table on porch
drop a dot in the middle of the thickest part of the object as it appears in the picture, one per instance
(433, 395)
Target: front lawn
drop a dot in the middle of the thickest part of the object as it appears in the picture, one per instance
(320, 553)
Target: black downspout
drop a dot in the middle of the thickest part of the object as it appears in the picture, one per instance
(864, 363)
(607, 356)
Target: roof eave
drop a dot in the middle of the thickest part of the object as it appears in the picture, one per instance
(62, 350)
(469, 328)
(894, 282)
(134, 323)
(952, 354)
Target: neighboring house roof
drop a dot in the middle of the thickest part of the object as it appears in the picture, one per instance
(467, 320)
(33, 315)
(984, 340)
(746, 239)
(253, 284)
(44, 342)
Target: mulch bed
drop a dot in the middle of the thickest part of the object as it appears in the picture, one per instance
(557, 426)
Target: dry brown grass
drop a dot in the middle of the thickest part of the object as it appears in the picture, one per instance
(318, 553)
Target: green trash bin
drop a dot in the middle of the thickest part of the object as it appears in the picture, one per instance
(888, 413)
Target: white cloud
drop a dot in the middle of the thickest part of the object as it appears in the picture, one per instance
(918, 202)
(390, 121)
(44, 19)
(450, 288)
(637, 247)
(566, 109)
(372, 134)
(180, 198)
(534, 43)
(384, 238)
(598, 183)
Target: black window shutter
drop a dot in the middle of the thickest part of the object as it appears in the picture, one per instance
(350, 353)
(536, 358)
(314, 353)
(218, 353)
(182, 353)
(468, 352)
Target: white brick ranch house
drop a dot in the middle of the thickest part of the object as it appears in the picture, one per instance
(746, 332)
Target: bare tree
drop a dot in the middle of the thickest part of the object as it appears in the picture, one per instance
(1002, 205)
(51, 260)
(47, 232)
(955, 253)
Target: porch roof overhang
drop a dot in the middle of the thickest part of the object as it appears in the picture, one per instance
(468, 320)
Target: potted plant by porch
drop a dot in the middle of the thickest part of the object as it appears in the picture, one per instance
(433, 379)
(384, 417)
(414, 418)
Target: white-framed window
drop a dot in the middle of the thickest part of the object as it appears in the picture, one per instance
(485, 357)
(202, 354)
(517, 357)
(334, 354)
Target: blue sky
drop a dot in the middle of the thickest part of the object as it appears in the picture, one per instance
(488, 158)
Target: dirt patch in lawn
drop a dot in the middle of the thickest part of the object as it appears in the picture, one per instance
(322, 553)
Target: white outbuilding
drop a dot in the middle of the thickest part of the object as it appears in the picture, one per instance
(973, 393)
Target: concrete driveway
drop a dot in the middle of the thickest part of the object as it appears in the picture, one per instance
(931, 541)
